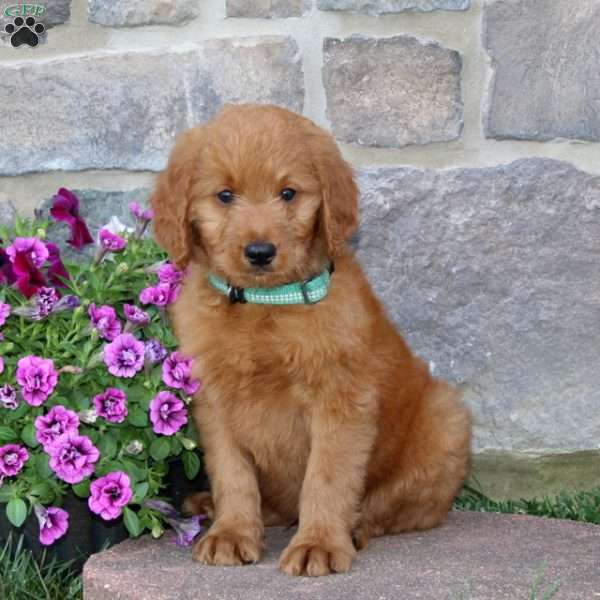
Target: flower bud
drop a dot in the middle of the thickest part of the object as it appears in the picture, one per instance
(122, 267)
(157, 530)
(187, 443)
(134, 447)
(88, 416)
(40, 233)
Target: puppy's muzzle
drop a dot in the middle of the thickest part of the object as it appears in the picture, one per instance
(260, 254)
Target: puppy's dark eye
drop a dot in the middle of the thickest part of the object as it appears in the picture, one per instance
(287, 194)
(226, 196)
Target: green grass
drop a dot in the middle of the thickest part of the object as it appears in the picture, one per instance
(577, 506)
(24, 578)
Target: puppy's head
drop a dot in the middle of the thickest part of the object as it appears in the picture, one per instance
(259, 194)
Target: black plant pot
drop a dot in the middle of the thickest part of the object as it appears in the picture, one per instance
(87, 532)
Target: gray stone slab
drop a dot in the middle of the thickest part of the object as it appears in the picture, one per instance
(544, 57)
(493, 275)
(129, 13)
(267, 9)
(8, 211)
(474, 556)
(392, 92)
(384, 7)
(122, 110)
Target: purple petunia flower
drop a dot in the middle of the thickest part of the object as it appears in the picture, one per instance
(12, 459)
(37, 378)
(72, 457)
(159, 295)
(155, 352)
(111, 241)
(57, 422)
(167, 413)
(169, 273)
(7, 275)
(105, 321)
(124, 357)
(32, 250)
(45, 303)
(135, 315)
(8, 397)
(1, 365)
(187, 529)
(177, 373)
(109, 494)
(4, 312)
(65, 207)
(54, 523)
(57, 273)
(112, 405)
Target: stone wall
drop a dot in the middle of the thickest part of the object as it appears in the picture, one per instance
(473, 127)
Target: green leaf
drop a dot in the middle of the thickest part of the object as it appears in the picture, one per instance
(191, 464)
(41, 466)
(131, 522)
(28, 436)
(7, 491)
(160, 448)
(82, 489)
(14, 415)
(176, 446)
(107, 446)
(43, 492)
(8, 434)
(134, 471)
(138, 418)
(139, 492)
(16, 511)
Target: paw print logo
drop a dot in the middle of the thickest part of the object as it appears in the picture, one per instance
(25, 31)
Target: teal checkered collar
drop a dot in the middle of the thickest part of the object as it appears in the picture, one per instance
(309, 291)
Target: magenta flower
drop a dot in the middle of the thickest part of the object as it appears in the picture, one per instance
(57, 273)
(155, 352)
(25, 253)
(1, 365)
(109, 494)
(135, 315)
(124, 357)
(54, 523)
(159, 295)
(4, 312)
(12, 459)
(139, 213)
(169, 273)
(111, 241)
(37, 378)
(72, 457)
(65, 208)
(167, 413)
(177, 373)
(112, 405)
(8, 397)
(105, 321)
(57, 422)
(187, 529)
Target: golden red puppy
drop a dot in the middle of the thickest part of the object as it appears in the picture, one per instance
(311, 412)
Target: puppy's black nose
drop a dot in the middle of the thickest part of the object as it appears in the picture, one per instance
(260, 253)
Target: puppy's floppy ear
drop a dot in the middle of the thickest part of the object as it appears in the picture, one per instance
(339, 209)
(171, 199)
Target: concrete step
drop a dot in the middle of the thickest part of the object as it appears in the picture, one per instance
(473, 556)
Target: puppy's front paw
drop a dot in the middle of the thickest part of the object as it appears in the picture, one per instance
(316, 557)
(227, 548)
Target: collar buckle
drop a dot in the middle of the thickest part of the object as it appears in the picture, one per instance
(236, 294)
(304, 291)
